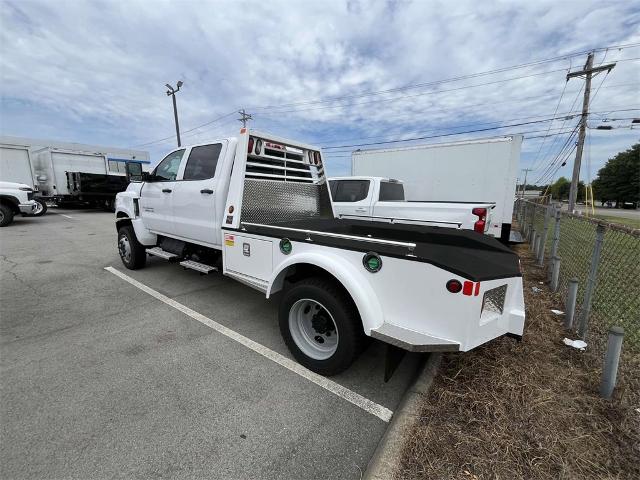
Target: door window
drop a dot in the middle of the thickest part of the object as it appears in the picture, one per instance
(391, 192)
(350, 190)
(202, 162)
(167, 169)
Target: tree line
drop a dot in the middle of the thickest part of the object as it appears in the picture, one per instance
(617, 182)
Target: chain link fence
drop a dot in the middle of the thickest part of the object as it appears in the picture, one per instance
(604, 258)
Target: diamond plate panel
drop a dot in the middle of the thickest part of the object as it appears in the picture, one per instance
(493, 300)
(271, 201)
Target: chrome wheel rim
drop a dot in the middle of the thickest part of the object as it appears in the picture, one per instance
(313, 329)
(39, 208)
(124, 247)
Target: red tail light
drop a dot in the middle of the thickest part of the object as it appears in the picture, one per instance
(481, 213)
(250, 149)
(454, 286)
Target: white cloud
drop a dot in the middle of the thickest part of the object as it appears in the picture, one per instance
(94, 72)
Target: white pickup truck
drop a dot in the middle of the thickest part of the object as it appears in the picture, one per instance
(382, 199)
(258, 208)
(15, 198)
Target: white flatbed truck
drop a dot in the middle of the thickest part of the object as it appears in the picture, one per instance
(258, 208)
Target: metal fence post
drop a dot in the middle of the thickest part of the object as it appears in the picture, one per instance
(543, 240)
(570, 305)
(556, 239)
(534, 241)
(611, 360)
(555, 273)
(591, 282)
(532, 222)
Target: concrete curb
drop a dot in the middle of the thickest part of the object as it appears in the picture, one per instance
(385, 459)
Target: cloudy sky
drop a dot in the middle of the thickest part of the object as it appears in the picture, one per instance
(331, 73)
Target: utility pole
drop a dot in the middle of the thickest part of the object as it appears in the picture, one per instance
(245, 118)
(172, 93)
(524, 184)
(587, 72)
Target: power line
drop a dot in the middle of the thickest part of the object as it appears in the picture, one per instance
(442, 135)
(403, 97)
(447, 80)
(564, 88)
(186, 131)
(475, 75)
(451, 127)
(438, 136)
(555, 160)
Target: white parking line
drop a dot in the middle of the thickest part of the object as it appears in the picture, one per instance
(358, 400)
(61, 214)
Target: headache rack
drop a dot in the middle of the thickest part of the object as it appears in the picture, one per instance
(273, 160)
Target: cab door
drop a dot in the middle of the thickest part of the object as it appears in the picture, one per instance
(197, 196)
(156, 196)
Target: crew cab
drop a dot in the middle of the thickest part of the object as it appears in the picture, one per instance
(383, 200)
(258, 209)
(15, 198)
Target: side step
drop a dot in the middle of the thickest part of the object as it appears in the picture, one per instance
(159, 252)
(412, 341)
(198, 267)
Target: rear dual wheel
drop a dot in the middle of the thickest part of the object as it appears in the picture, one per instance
(321, 326)
(41, 208)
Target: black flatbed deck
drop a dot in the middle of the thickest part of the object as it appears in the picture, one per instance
(465, 253)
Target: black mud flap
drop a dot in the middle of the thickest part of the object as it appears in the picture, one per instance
(392, 359)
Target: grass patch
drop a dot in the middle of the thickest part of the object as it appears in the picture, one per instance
(527, 410)
(629, 222)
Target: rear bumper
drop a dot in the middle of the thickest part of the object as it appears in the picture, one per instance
(495, 311)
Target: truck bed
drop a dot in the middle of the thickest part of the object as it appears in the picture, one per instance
(465, 253)
(468, 254)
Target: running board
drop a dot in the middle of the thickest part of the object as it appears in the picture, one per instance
(198, 267)
(158, 252)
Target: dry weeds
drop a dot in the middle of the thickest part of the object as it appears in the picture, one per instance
(527, 410)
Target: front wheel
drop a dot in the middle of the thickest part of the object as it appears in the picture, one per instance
(321, 326)
(132, 253)
(41, 208)
(6, 215)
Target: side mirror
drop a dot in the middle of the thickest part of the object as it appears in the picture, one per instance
(134, 172)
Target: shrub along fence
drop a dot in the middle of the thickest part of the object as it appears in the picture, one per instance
(604, 260)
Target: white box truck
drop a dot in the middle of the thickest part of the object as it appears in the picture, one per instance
(16, 167)
(67, 171)
(471, 171)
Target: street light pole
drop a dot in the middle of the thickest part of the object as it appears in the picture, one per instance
(172, 92)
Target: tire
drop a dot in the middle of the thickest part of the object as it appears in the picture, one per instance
(309, 336)
(6, 215)
(132, 253)
(42, 208)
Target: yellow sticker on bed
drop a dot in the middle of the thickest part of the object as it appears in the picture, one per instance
(229, 240)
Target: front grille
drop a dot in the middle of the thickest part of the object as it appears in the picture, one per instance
(493, 300)
(30, 195)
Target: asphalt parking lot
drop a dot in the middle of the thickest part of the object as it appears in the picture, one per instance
(101, 379)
